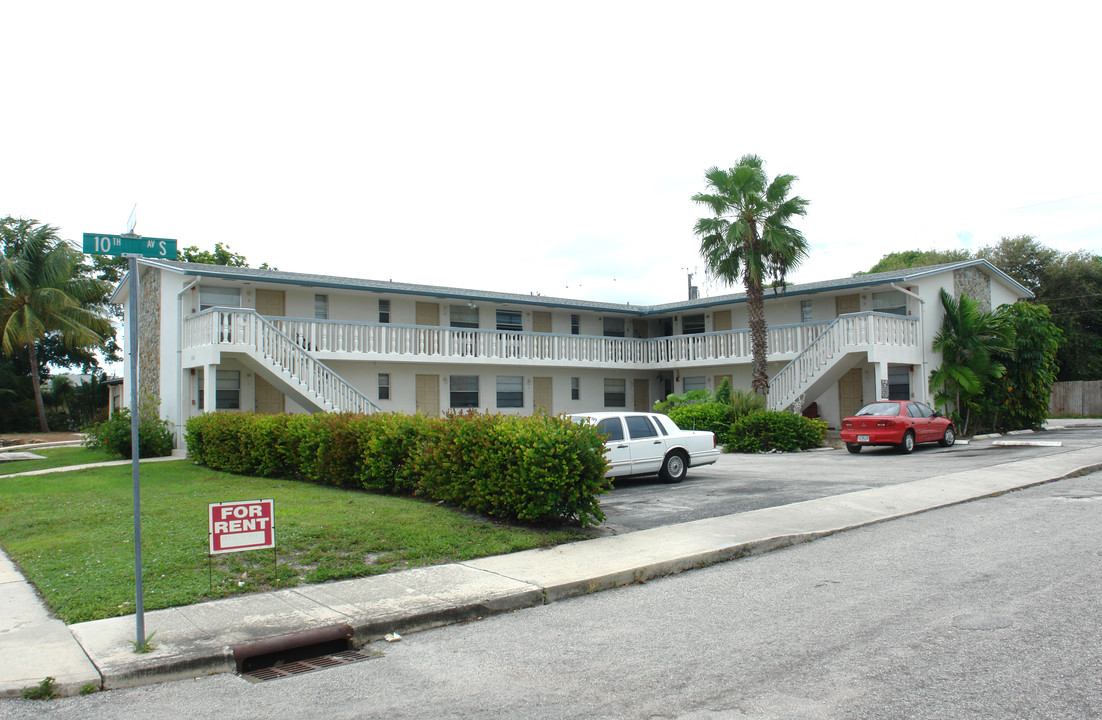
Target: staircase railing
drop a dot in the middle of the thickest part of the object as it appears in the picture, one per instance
(848, 333)
(246, 329)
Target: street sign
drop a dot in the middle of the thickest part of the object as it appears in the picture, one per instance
(241, 525)
(129, 245)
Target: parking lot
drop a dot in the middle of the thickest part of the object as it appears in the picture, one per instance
(739, 483)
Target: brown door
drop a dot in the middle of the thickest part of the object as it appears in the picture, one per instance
(541, 394)
(642, 395)
(269, 400)
(720, 378)
(851, 394)
(428, 394)
(721, 320)
(847, 304)
(271, 303)
(541, 321)
(428, 313)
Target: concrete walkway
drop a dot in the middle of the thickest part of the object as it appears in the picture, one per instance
(198, 639)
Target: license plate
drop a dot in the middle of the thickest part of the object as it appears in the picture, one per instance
(862, 438)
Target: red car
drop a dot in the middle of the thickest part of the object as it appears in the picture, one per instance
(903, 423)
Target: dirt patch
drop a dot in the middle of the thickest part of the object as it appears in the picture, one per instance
(9, 439)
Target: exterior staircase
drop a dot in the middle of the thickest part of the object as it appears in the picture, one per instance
(840, 347)
(285, 362)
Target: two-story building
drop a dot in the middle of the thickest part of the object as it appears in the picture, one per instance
(229, 338)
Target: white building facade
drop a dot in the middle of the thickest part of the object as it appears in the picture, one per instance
(243, 339)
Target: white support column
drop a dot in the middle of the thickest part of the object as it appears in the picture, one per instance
(210, 388)
(880, 380)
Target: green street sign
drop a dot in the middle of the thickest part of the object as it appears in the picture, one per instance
(129, 245)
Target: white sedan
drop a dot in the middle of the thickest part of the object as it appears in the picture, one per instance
(642, 443)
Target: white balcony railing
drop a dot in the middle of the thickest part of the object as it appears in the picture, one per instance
(246, 331)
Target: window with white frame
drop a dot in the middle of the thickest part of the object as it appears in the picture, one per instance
(509, 320)
(218, 297)
(384, 386)
(384, 311)
(464, 391)
(321, 307)
(692, 324)
(575, 324)
(614, 327)
(227, 388)
(510, 391)
(464, 316)
(899, 382)
(696, 382)
(805, 311)
(616, 394)
(575, 388)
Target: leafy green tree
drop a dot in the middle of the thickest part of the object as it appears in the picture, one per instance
(222, 255)
(916, 258)
(1022, 258)
(970, 341)
(751, 234)
(1072, 289)
(42, 294)
(1019, 399)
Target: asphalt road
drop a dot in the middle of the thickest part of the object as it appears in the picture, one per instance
(738, 483)
(987, 609)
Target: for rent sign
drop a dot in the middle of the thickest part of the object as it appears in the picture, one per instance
(242, 525)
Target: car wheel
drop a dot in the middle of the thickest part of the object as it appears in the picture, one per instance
(949, 439)
(674, 468)
(853, 448)
(908, 444)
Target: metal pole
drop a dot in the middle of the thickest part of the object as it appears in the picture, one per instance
(132, 339)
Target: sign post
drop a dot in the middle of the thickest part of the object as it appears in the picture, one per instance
(132, 247)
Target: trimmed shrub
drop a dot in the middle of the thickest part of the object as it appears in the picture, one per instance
(773, 430)
(744, 402)
(114, 434)
(704, 416)
(536, 469)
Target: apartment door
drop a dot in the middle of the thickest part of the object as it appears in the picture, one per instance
(851, 394)
(541, 394)
(428, 313)
(269, 400)
(271, 303)
(428, 394)
(721, 320)
(847, 304)
(541, 321)
(642, 395)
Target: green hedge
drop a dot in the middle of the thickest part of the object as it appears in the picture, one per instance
(772, 430)
(537, 469)
(713, 416)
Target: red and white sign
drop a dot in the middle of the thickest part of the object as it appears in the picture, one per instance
(242, 525)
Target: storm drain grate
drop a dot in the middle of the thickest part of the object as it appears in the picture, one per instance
(298, 667)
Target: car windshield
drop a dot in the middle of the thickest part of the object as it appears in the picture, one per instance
(880, 409)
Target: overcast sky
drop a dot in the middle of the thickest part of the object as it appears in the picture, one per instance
(549, 147)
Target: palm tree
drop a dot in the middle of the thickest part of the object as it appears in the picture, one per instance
(969, 342)
(42, 292)
(751, 232)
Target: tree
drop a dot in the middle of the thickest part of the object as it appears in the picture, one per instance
(969, 341)
(1019, 399)
(1072, 290)
(43, 294)
(751, 234)
(1022, 258)
(916, 258)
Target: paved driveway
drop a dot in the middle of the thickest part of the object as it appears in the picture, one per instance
(738, 483)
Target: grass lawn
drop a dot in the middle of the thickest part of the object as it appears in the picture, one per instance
(56, 457)
(72, 533)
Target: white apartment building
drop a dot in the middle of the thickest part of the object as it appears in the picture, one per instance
(243, 339)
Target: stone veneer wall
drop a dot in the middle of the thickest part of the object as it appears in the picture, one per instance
(149, 334)
(975, 284)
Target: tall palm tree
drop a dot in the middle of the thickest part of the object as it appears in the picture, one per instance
(42, 292)
(751, 232)
(970, 341)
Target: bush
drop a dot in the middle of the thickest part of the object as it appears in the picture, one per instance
(114, 434)
(744, 402)
(704, 416)
(772, 430)
(536, 469)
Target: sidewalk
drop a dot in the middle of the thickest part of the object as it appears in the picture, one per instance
(198, 639)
